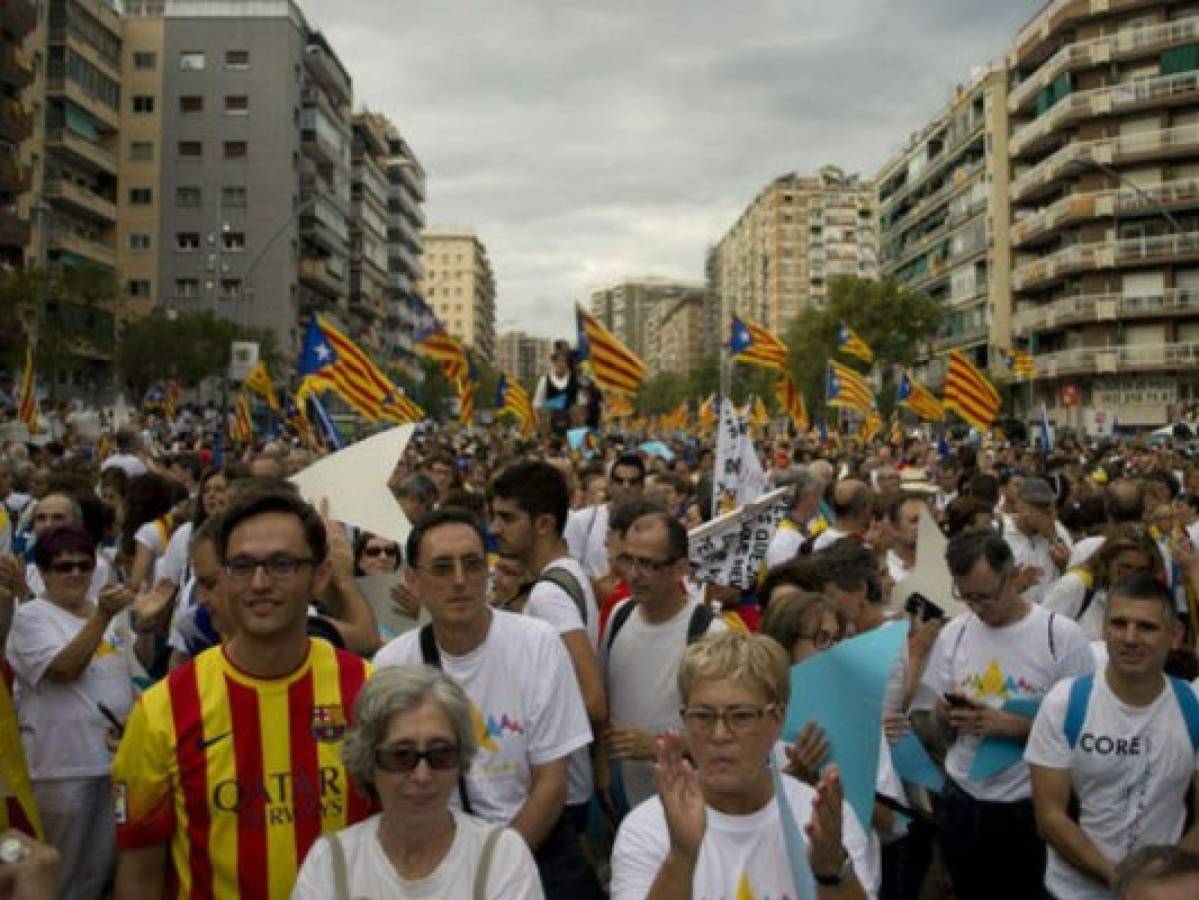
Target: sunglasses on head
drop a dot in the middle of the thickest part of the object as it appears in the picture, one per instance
(403, 760)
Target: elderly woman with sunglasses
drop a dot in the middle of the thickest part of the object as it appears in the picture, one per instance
(717, 826)
(412, 740)
(74, 690)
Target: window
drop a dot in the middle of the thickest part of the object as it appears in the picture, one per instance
(141, 151)
(189, 197)
(233, 197)
(187, 240)
(191, 104)
(191, 61)
(237, 59)
(143, 103)
(234, 241)
(230, 288)
(144, 61)
(191, 149)
(141, 196)
(137, 287)
(139, 241)
(237, 104)
(187, 287)
(236, 149)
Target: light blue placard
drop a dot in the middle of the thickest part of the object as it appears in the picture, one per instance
(997, 754)
(842, 691)
(657, 448)
(914, 765)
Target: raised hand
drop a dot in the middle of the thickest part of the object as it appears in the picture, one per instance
(682, 800)
(826, 852)
(808, 754)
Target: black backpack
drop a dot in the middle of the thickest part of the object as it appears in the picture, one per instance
(701, 618)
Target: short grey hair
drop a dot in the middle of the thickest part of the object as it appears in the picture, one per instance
(395, 691)
(417, 487)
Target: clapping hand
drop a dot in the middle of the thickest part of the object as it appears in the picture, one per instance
(825, 849)
(682, 800)
(808, 754)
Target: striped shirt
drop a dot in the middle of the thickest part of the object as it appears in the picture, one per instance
(240, 775)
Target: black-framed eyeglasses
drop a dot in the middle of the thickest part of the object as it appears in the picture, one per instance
(280, 565)
(821, 640)
(982, 599)
(392, 551)
(403, 760)
(737, 719)
(645, 564)
(73, 566)
(445, 568)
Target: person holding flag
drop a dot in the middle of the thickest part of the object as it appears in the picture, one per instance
(557, 393)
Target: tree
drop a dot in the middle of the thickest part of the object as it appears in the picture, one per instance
(659, 394)
(896, 322)
(704, 379)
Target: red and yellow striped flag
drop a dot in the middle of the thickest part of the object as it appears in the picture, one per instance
(513, 398)
(466, 401)
(758, 416)
(787, 392)
(354, 377)
(401, 409)
(242, 430)
(614, 366)
(18, 807)
(847, 388)
(911, 394)
(707, 414)
(849, 342)
(618, 406)
(751, 343)
(27, 399)
(259, 381)
(969, 393)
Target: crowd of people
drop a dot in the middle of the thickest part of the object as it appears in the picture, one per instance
(211, 703)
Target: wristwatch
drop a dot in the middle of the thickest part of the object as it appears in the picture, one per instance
(840, 878)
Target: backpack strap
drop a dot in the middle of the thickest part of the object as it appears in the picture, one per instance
(1076, 708)
(1052, 643)
(562, 578)
(701, 619)
(619, 618)
(1188, 703)
(432, 657)
(341, 879)
(489, 842)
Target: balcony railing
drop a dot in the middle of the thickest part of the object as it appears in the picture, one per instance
(957, 182)
(1104, 308)
(81, 147)
(1060, 12)
(1102, 101)
(80, 198)
(1105, 203)
(1111, 360)
(14, 66)
(1104, 254)
(71, 242)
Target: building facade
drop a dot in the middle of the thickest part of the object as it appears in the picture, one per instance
(796, 234)
(18, 74)
(368, 231)
(405, 219)
(1104, 150)
(525, 357)
(675, 334)
(460, 286)
(625, 308)
(943, 214)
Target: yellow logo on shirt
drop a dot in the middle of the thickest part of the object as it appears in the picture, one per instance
(744, 891)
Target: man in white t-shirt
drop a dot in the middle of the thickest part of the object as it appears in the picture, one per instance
(852, 513)
(528, 514)
(1032, 534)
(1121, 744)
(645, 639)
(128, 443)
(1003, 650)
(586, 530)
(796, 528)
(528, 710)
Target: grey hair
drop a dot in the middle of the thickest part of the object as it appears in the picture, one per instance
(76, 507)
(418, 487)
(393, 692)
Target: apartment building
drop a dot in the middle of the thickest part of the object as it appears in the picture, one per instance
(405, 219)
(18, 25)
(798, 233)
(369, 191)
(460, 287)
(943, 214)
(625, 307)
(675, 334)
(1104, 150)
(525, 357)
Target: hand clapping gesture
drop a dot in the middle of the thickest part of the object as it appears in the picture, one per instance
(682, 800)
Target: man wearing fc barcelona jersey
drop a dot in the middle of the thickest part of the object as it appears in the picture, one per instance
(231, 767)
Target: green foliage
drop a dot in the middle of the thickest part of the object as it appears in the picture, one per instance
(896, 322)
(660, 394)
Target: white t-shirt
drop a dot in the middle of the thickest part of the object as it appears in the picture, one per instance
(785, 544)
(550, 603)
(62, 727)
(741, 856)
(992, 666)
(1033, 550)
(1066, 596)
(512, 874)
(1085, 549)
(641, 672)
(1130, 771)
(525, 703)
(827, 538)
(586, 535)
(132, 465)
(173, 562)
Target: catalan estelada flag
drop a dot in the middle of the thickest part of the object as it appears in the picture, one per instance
(432, 340)
(401, 409)
(787, 392)
(751, 343)
(259, 381)
(330, 361)
(872, 426)
(969, 394)
(27, 399)
(513, 398)
(847, 388)
(18, 808)
(242, 429)
(1019, 363)
(614, 366)
(912, 395)
(466, 400)
(849, 342)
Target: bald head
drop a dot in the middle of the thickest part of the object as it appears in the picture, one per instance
(851, 505)
(1124, 501)
(822, 469)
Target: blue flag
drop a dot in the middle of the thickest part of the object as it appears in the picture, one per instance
(739, 338)
(327, 426)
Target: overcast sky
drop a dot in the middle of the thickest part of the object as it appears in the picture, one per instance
(588, 140)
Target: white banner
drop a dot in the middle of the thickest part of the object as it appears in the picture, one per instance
(731, 548)
(738, 478)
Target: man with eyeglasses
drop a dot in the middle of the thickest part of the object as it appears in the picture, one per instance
(586, 530)
(640, 653)
(527, 707)
(231, 767)
(1003, 649)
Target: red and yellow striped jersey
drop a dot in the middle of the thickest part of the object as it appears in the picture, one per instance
(240, 775)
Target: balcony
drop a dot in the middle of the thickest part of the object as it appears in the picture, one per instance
(14, 231)
(373, 308)
(1162, 90)
(18, 17)
(1128, 42)
(316, 274)
(82, 150)
(321, 137)
(1100, 204)
(969, 338)
(1033, 37)
(1090, 308)
(1053, 267)
(961, 179)
(952, 154)
(60, 87)
(14, 67)
(92, 251)
(1116, 360)
(14, 177)
(15, 123)
(80, 200)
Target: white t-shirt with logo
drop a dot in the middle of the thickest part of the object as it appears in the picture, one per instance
(62, 728)
(525, 704)
(586, 536)
(1130, 771)
(993, 666)
(552, 604)
(741, 856)
(512, 874)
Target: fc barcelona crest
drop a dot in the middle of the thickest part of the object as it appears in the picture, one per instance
(328, 723)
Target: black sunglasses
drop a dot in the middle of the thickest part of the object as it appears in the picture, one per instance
(403, 760)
